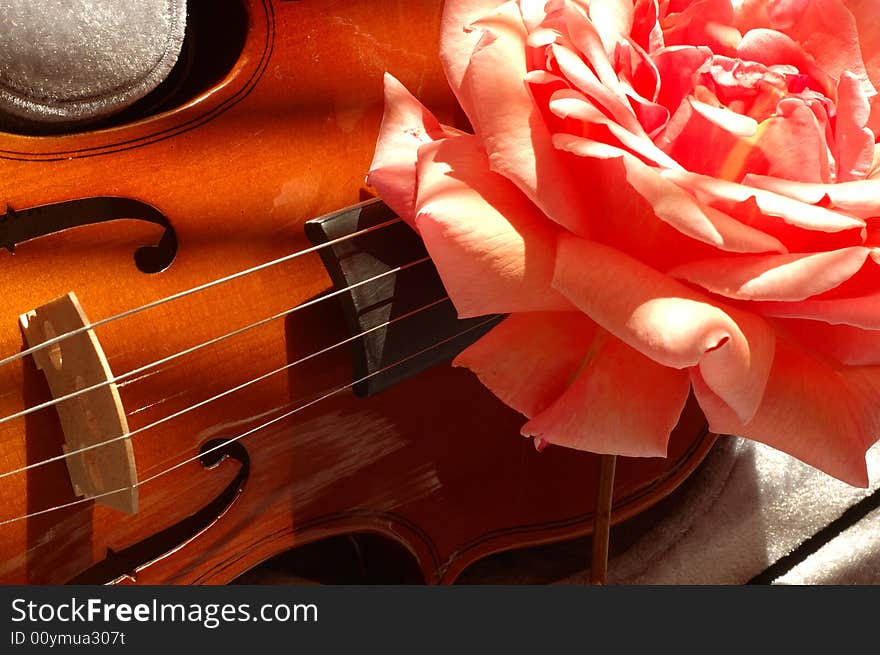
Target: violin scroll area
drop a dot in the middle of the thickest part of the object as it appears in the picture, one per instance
(100, 460)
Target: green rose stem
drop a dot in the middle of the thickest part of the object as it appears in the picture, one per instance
(602, 519)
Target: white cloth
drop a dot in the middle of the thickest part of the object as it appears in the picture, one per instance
(63, 61)
(747, 507)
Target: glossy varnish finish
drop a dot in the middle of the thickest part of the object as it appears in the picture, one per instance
(435, 463)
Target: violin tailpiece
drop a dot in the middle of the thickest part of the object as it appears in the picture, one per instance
(70, 365)
(391, 354)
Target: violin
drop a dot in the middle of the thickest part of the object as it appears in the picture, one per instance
(185, 389)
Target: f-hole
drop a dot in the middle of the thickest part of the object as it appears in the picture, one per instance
(128, 561)
(20, 225)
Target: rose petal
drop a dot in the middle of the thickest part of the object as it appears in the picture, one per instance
(771, 47)
(568, 103)
(666, 321)
(874, 171)
(579, 74)
(585, 37)
(708, 140)
(749, 14)
(613, 19)
(620, 402)
(865, 14)
(789, 210)
(862, 311)
(788, 277)
(707, 22)
(847, 345)
(646, 29)
(860, 198)
(627, 221)
(406, 125)
(511, 126)
(792, 145)
(678, 66)
(828, 32)
(746, 87)
(743, 126)
(494, 250)
(808, 410)
(529, 359)
(640, 83)
(855, 142)
(674, 205)
(458, 39)
(794, 238)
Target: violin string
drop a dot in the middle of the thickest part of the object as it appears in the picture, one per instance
(188, 351)
(262, 426)
(187, 292)
(222, 394)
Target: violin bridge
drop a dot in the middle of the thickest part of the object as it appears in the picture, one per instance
(93, 417)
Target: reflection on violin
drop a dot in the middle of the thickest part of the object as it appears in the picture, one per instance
(232, 367)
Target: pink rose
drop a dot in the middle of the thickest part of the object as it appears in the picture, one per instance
(663, 195)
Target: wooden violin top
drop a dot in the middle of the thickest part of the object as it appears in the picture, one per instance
(236, 463)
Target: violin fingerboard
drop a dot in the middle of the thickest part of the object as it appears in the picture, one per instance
(425, 334)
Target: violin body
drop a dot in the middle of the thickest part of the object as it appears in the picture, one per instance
(435, 463)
